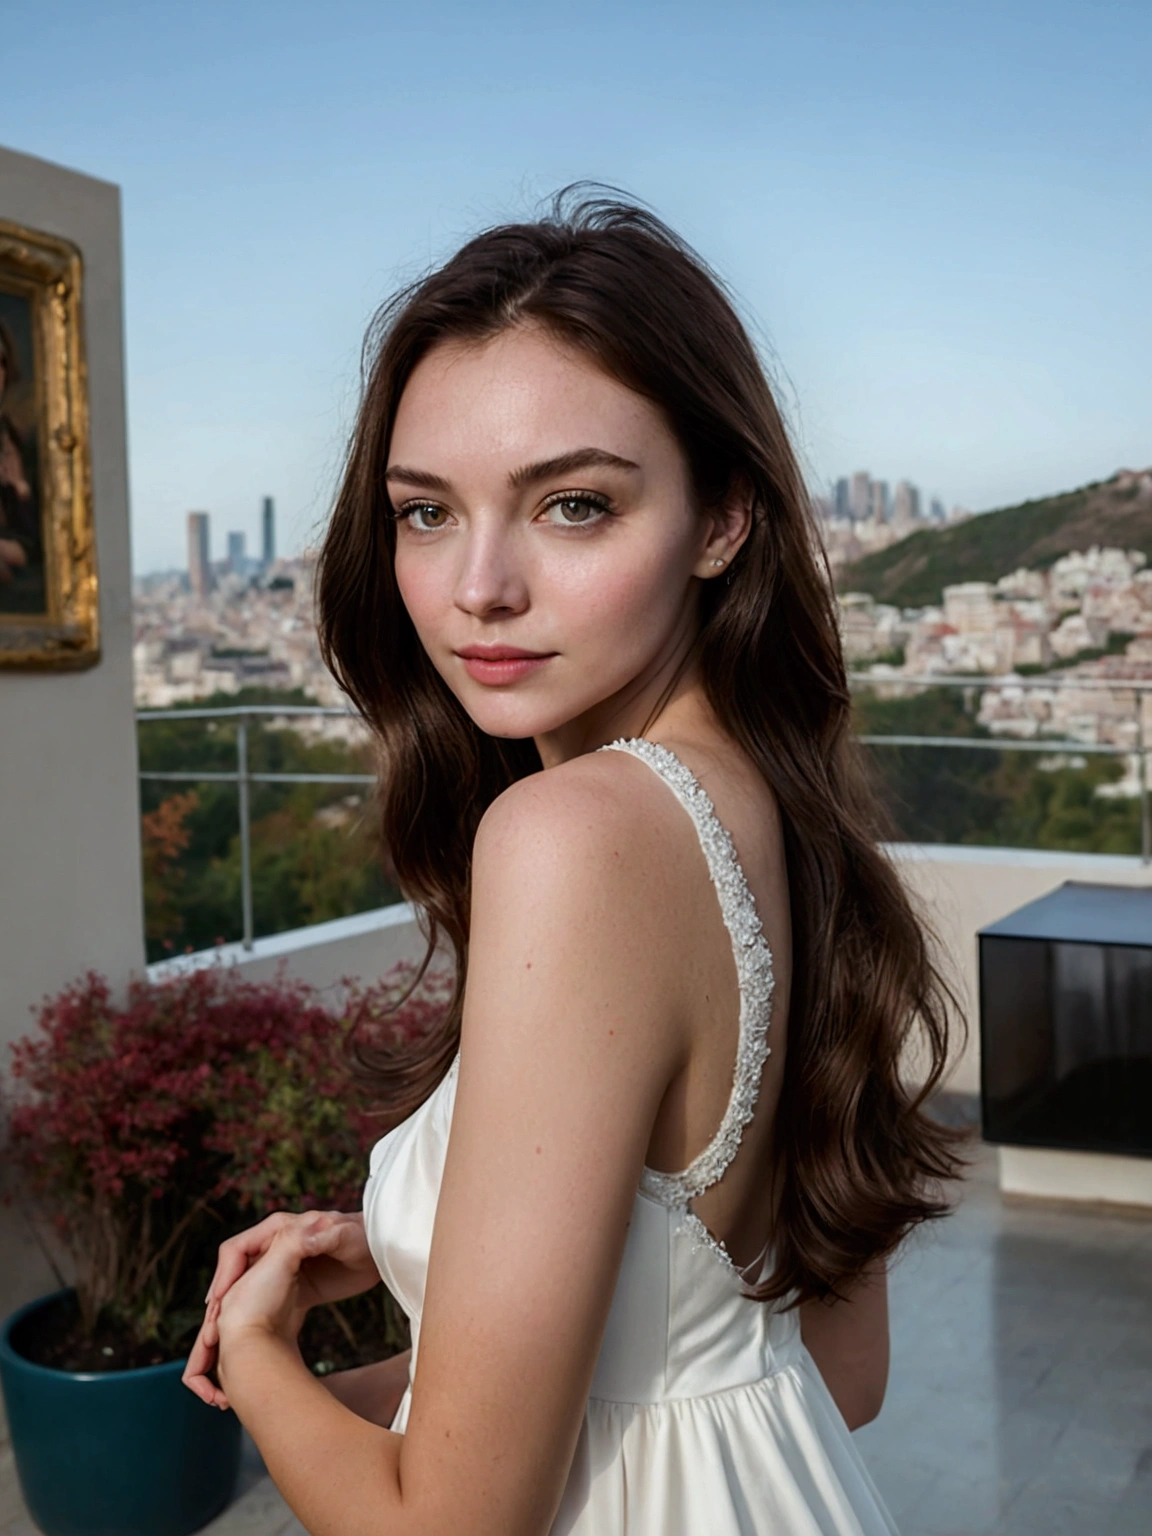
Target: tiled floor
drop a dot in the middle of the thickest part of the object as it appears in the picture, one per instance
(1020, 1401)
(1021, 1394)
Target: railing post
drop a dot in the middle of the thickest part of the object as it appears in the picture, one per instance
(1145, 803)
(245, 832)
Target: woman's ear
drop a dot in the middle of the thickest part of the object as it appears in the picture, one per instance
(728, 523)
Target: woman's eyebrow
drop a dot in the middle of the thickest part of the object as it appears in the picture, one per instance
(566, 463)
(421, 477)
(545, 469)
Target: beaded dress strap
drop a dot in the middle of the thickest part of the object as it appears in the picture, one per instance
(753, 973)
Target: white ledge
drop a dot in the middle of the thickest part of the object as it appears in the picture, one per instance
(1038, 1173)
(293, 943)
(1020, 858)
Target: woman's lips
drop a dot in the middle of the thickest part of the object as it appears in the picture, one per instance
(501, 665)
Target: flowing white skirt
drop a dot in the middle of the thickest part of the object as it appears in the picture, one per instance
(774, 1458)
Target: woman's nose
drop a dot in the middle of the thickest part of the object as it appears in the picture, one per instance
(491, 578)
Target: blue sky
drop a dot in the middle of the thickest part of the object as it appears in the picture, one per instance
(938, 215)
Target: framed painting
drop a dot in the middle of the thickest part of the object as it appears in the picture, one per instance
(48, 592)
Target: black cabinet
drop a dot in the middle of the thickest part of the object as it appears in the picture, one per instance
(1066, 1021)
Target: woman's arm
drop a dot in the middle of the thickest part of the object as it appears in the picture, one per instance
(571, 1033)
(372, 1392)
(848, 1340)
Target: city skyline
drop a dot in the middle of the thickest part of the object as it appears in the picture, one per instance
(860, 497)
(945, 268)
(202, 569)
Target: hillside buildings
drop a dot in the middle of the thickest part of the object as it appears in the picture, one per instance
(243, 633)
(240, 623)
(1088, 618)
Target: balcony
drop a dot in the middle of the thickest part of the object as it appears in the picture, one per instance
(1019, 1393)
(1020, 1398)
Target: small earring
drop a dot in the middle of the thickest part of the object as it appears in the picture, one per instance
(717, 562)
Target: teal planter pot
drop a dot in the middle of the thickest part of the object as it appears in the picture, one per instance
(126, 1453)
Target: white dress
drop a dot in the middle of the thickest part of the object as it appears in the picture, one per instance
(707, 1415)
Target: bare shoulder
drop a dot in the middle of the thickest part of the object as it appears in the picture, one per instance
(577, 881)
(600, 812)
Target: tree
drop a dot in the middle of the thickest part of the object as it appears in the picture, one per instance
(315, 847)
(997, 797)
(164, 836)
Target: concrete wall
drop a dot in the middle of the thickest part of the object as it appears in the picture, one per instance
(70, 892)
(961, 890)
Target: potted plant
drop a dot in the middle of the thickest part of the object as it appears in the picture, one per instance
(142, 1133)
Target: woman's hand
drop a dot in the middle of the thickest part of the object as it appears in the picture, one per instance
(317, 1257)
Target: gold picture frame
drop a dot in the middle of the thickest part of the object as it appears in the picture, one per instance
(49, 616)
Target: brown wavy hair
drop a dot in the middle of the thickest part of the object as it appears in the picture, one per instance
(859, 1161)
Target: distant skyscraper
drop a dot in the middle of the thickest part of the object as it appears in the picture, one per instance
(843, 506)
(268, 529)
(199, 554)
(936, 511)
(236, 553)
(906, 504)
(879, 504)
(860, 495)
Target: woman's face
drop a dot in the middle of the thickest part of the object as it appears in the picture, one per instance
(544, 508)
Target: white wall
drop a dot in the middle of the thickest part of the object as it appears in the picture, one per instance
(961, 890)
(70, 895)
(70, 888)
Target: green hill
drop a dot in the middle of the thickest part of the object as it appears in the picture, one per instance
(1036, 533)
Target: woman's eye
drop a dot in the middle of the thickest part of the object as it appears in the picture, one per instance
(577, 511)
(424, 516)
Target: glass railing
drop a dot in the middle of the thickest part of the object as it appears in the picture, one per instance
(962, 794)
(243, 775)
(1005, 806)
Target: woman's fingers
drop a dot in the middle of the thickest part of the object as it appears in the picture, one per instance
(295, 1238)
(202, 1359)
(237, 1252)
(315, 1234)
(323, 1237)
(330, 1236)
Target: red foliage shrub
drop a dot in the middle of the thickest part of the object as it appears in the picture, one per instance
(145, 1132)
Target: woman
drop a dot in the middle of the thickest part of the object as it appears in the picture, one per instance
(641, 1206)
